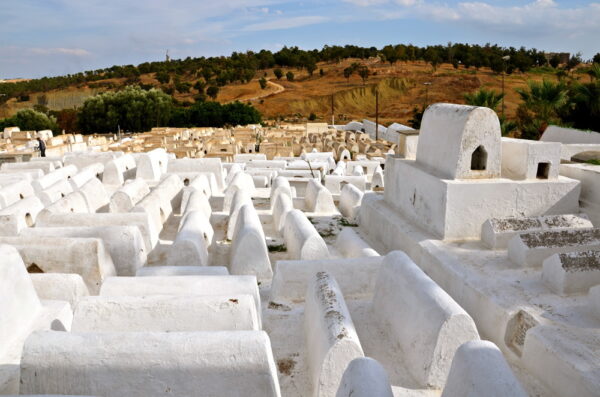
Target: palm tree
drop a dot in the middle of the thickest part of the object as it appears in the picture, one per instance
(594, 72)
(543, 104)
(585, 110)
(544, 98)
(482, 97)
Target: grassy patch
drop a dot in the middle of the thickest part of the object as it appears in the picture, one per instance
(326, 233)
(593, 162)
(346, 223)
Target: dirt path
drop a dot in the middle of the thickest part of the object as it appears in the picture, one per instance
(278, 90)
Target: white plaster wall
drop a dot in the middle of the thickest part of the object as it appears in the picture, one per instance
(20, 304)
(334, 183)
(199, 165)
(55, 192)
(351, 245)
(331, 340)
(165, 314)
(457, 209)
(150, 271)
(282, 206)
(138, 220)
(128, 195)
(594, 300)
(19, 216)
(364, 377)
(496, 233)
(302, 239)
(81, 160)
(240, 198)
(46, 166)
(151, 165)
(450, 133)
(59, 287)
(318, 199)
(125, 244)
(479, 369)
(350, 199)
(241, 181)
(215, 363)
(520, 158)
(563, 280)
(246, 157)
(119, 169)
(569, 135)
(190, 246)
(355, 276)
(249, 238)
(182, 285)
(95, 195)
(427, 343)
(561, 358)
(531, 249)
(84, 256)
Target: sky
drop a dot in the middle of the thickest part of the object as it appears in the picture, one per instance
(55, 37)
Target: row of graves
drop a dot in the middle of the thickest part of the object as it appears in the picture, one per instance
(467, 267)
(285, 140)
(22, 145)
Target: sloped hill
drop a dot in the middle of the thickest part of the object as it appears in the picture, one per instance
(401, 87)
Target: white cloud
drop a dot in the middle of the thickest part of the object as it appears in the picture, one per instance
(366, 3)
(540, 17)
(78, 52)
(285, 23)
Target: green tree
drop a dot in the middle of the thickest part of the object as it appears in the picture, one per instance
(278, 73)
(584, 109)
(212, 91)
(507, 126)
(311, 67)
(200, 85)
(417, 117)
(289, 76)
(543, 102)
(133, 109)
(594, 72)
(213, 114)
(263, 83)
(321, 72)
(183, 87)
(596, 58)
(237, 113)
(348, 73)
(31, 120)
(483, 97)
(163, 77)
(363, 72)
(574, 61)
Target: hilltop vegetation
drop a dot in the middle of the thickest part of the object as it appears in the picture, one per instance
(296, 84)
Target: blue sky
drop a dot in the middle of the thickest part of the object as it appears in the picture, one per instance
(53, 37)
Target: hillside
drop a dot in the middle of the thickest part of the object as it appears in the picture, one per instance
(401, 88)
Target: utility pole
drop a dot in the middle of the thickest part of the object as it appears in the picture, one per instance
(505, 59)
(427, 84)
(332, 111)
(376, 114)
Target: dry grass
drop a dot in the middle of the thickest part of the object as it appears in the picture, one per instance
(400, 86)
